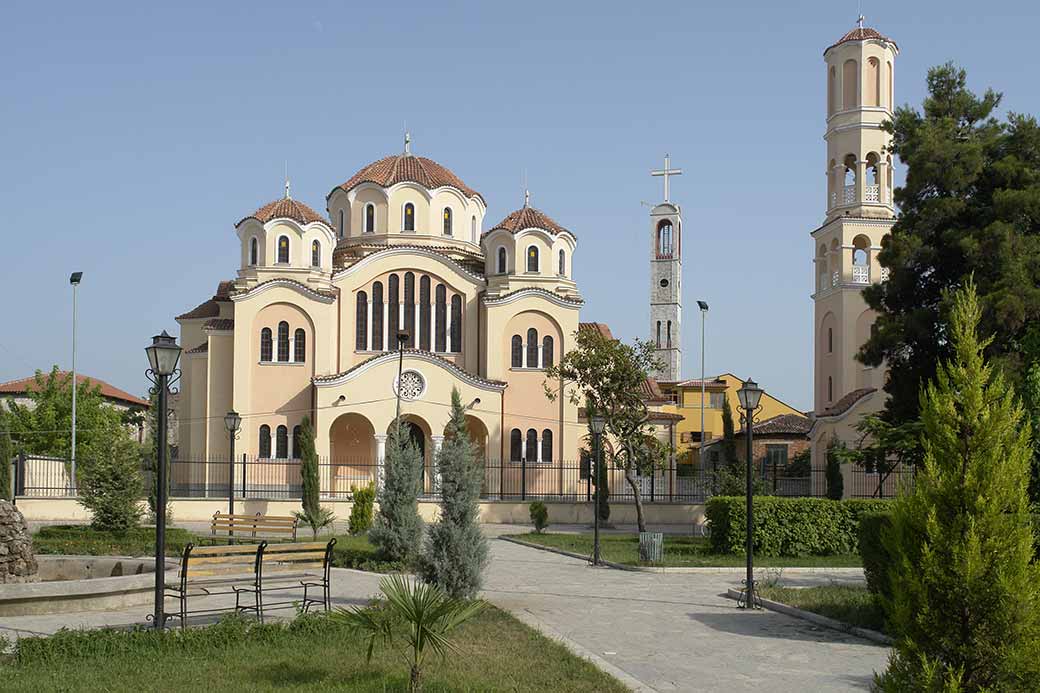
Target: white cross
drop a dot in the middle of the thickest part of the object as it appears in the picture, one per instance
(667, 171)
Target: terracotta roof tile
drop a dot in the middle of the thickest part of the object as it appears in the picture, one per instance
(650, 390)
(860, 33)
(25, 385)
(210, 308)
(846, 402)
(596, 326)
(400, 168)
(285, 208)
(527, 218)
(784, 424)
(200, 349)
(219, 324)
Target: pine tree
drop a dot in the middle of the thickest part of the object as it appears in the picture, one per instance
(397, 530)
(1031, 402)
(456, 552)
(965, 605)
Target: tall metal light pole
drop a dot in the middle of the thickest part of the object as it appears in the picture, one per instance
(749, 394)
(402, 337)
(163, 355)
(233, 423)
(74, 279)
(597, 423)
(704, 314)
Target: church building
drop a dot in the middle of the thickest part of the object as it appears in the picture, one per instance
(399, 287)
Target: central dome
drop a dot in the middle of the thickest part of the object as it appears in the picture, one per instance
(400, 168)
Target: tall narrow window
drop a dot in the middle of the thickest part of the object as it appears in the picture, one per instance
(361, 322)
(254, 251)
(849, 84)
(342, 222)
(563, 264)
(547, 446)
(283, 249)
(516, 352)
(281, 443)
(315, 254)
(447, 221)
(669, 335)
(266, 345)
(409, 308)
(830, 388)
(393, 289)
(830, 340)
(532, 445)
(532, 259)
(872, 84)
(377, 316)
(547, 351)
(832, 83)
(515, 444)
(299, 345)
(441, 319)
(658, 334)
(265, 441)
(283, 341)
(296, 443)
(473, 228)
(532, 348)
(370, 218)
(409, 217)
(456, 324)
(424, 312)
(664, 239)
(501, 260)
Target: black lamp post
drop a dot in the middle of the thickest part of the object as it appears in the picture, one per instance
(402, 338)
(233, 423)
(749, 394)
(597, 423)
(163, 355)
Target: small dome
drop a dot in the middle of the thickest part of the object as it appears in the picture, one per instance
(861, 33)
(399, 168)
(529, 217)
(285, 208)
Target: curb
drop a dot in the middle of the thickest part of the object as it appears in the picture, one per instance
(865, 633)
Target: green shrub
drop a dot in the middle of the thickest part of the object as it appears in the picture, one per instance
(789, 526)
(876, 558)
(361, 513)
(832, 472)
(84, 540)
(539, 516)
(111, 486)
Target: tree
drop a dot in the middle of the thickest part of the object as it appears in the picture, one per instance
(971, 204)
(1031, 403)
(397, 530)
(965, 604)
(6, 456)
(729, 436)
(882, 448)
(456, 552)
(111, 486)
(607, 377)
(314, 515)
(600, 478)
(832, 472)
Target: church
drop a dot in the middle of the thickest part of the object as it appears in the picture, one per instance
(399, 288)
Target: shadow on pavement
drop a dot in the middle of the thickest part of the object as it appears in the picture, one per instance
(767, 624)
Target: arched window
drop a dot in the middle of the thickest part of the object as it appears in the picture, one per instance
(315, 254)
(409, 308)
(299, 345)
(547, 351)
(832, 89)
(456, 324)
(265, 441)
(501, 260)
(447, 221)
(393, 315)
(473, 228)
(669, 329)
(409, 217)
(849, 84)
(296, 443)
(283, 341)
(441, 319)
(532, 259)
(377, 316)
(849, 179)
(281, 443)
(873, 82)
(361, 322)
(342, 222)
(532, 348)
(424, 313)
(370, 218)
(254, 251)
(531, 449)
(563, 264)
(266, 345)
(516, 352)
(515, 445)
(665, 243)
(547, 446)
(283, 249)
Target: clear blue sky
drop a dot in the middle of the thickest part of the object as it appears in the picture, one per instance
(135, 135)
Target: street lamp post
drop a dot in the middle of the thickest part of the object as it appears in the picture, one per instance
(233, 423)
(704, 314)
(74, 279)
(402, 337)
(749, 394)
(163, 355)
(597, 423)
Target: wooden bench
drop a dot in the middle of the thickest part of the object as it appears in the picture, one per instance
(251, 569)
(252, 527)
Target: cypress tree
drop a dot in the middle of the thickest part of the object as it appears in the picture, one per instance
(729, 436)
(397, 530)
(6, 457)
(456, 553)
(313, 515)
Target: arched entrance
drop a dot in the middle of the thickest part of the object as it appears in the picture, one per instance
(478, 434)
(352, 449)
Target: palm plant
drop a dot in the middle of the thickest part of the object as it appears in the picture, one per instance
(425, 613)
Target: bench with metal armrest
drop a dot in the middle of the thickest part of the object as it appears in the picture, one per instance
(252, 527)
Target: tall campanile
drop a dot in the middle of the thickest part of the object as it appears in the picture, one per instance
(666, 280)
(860, 211)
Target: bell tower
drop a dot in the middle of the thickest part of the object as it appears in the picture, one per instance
(859, 209)
(666, 280)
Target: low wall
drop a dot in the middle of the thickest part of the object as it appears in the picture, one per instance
(493, 512)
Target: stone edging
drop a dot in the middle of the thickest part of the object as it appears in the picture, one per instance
(865, 633)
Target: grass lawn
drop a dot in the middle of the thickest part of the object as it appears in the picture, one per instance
(852, 604)
(678, 551)
(312, 653)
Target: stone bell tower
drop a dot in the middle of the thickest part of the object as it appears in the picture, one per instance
(666, 280)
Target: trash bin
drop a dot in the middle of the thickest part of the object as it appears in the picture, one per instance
(651, 547)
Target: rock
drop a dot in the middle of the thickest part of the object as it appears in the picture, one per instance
(17, 563)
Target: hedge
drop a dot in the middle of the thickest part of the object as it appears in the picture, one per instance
(875, 557)
(789, 526)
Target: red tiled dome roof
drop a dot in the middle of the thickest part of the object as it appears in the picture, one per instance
(285, 208)
(861, 33)
(399, 168)
(529, 217)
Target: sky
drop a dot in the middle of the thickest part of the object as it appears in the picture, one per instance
(133, 136)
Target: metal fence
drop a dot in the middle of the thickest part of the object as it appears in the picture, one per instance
(281, 479)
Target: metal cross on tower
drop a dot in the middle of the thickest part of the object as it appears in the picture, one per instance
(666, 172)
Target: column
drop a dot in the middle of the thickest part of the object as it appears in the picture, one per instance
(437, 442)
(400, 316)
(386, 326)
(415, 322)
(433, 318)
(380, 460)
(447, 322)
(539, 445)
(523, 446)
(541, 359)
(882, 170)
(861, 181)
(369, 324)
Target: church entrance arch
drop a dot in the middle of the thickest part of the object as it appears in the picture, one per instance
(478, 434)
(352, 448)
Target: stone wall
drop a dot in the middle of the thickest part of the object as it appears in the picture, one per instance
(17, 563)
